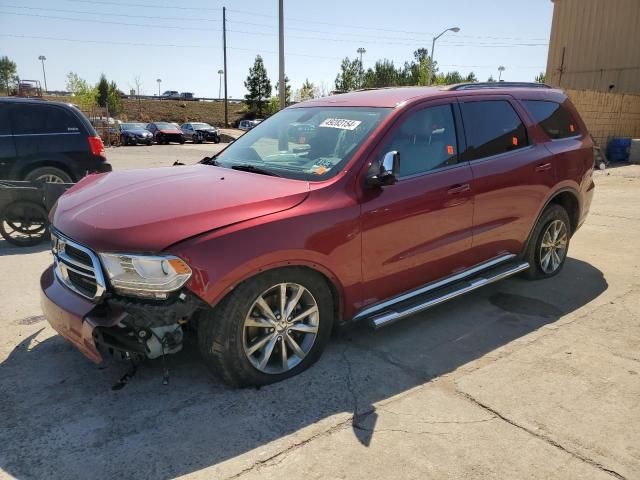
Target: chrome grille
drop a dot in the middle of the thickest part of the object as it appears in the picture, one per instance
(77, 267)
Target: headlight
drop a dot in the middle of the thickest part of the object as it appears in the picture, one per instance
(147, 276)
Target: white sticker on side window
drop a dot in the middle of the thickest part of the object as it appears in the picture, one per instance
(341, 123)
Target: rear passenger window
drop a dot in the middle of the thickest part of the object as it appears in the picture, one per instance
(39, 119)
(554, 119)
(426, 141)
(492, 127)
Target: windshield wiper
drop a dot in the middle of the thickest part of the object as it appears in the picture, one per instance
(253, 169)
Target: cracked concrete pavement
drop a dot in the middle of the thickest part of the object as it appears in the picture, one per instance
(518, 380)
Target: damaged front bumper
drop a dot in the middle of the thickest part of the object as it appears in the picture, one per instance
(148, 328)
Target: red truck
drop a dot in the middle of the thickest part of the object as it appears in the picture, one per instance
(367, 206)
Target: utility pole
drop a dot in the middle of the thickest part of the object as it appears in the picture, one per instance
(220, 72)
(224, 49)
(42, 58)
(283, 87)
(159, 80)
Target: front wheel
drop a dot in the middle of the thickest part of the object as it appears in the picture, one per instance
(549, 243)
(269, 328)
(49, 175)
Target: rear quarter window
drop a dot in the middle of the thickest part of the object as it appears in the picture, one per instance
(44, 119)
(492, 127)
(555, 120)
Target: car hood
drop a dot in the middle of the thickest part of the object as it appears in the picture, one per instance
(170, 130)
(149, 210)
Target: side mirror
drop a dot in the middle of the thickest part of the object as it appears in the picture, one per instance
(389, 169)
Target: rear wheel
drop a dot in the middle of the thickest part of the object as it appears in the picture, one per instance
(547, 250)
(49, 175)
(271, 327)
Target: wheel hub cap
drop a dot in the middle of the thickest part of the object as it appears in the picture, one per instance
(280, 328)
(553, 247)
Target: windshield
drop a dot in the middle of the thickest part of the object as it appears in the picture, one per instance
(201, 125)
(132, 126)
(162, 125)
(311, 143)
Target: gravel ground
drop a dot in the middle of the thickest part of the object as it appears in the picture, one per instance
(522, 380)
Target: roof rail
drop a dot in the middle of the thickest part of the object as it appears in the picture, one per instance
(480, 85)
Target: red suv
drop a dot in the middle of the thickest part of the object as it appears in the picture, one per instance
(368, 206)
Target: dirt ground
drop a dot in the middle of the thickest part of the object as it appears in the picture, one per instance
(519, 380)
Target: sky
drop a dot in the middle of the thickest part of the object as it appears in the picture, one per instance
(180, 42)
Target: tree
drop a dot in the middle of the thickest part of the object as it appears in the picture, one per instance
(258, 86)
(103, 91)
(540, 78)
(349, 76)
(114, 100)
(491, 79)
(307, 91)
(84, 94)
(383, 74)
(471, 78)
(8, 74)
(452, 78)
(287, 90)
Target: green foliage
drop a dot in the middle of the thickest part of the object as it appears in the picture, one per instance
(273, 106)
(419, 71)
(307, 91)
(8, 74)
(258, 86)
(349, 77)
(103, 91)
(85, 95)
(287, 90)
(114, 101)
(540, 78)
(491, 79)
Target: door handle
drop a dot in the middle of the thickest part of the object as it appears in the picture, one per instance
(459, 189)
(543, 167)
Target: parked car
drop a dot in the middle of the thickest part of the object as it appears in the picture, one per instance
(134, 134)
(165, 132)
(51, 141)
(199, 132)
(186, 96)
(398, 200)
(246, 125)
(170, 95)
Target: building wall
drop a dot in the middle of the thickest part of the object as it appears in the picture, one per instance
(601, 44)
(608, 114)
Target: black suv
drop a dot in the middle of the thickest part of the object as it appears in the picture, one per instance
(51, 141)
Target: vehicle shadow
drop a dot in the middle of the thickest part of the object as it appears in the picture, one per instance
(7, 248)
(61, 418)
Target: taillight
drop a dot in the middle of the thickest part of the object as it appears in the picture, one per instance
(97, 147)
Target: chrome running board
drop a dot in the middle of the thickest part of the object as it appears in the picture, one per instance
(390, 311)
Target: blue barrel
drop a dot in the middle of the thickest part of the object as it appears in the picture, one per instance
(618, 149)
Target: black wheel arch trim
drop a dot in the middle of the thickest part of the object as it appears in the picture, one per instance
(570, 190)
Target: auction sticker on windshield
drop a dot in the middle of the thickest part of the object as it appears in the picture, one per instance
(341, 123)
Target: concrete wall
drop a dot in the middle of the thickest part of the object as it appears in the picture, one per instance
(595, 45)
(608, 114)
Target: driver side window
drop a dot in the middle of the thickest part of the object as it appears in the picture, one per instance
(426, 140)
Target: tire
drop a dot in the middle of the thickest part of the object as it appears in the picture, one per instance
(49, 174)
(181, 141)
(123, 140)
(224, 340)
(24, 223)
(553, 216)
(216, 139)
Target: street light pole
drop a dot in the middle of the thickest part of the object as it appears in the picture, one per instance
(159, 80)
(282, 85)
(42, 58)
(361, 51)
(220, 72)
(433, 44)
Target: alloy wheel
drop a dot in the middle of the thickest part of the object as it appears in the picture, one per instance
(280, 328)
(553, 247)
(49, 178)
